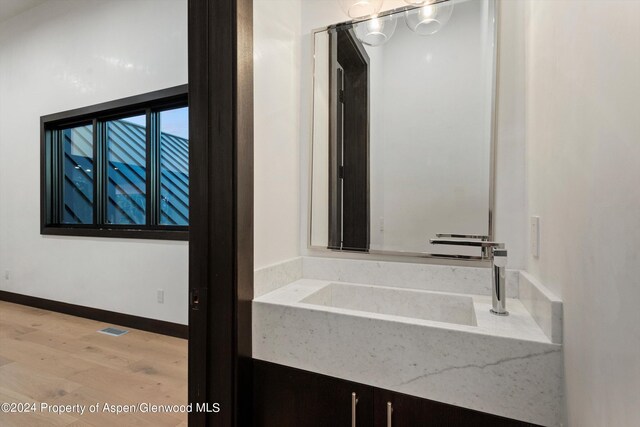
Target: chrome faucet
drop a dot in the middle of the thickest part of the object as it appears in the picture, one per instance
(493, 251)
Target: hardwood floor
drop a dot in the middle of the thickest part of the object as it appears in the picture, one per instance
(53, 358)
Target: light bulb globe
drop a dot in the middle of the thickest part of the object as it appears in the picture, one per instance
(376, 31)
(429, 19)
(357, 9)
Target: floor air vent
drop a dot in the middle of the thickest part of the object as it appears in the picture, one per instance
(114, 332)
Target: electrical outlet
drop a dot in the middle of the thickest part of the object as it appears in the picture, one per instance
(535, 236)
(160, 296)
(381, 224)
(6, 275)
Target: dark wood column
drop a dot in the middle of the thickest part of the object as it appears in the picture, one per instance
(221, 211)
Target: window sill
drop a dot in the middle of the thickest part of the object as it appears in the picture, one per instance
(117, 233)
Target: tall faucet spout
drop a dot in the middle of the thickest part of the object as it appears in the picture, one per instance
(493, 251)
(498, 279)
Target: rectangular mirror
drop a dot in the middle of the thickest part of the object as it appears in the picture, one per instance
(402, 136)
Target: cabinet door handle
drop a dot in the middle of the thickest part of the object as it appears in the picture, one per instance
(354, 402)
(389, 414)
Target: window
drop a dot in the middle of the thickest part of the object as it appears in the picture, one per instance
(174, 165)
(119, 169)
(126, 170)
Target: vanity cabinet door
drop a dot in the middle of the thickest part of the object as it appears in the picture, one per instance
(409, 411)
(287, 397)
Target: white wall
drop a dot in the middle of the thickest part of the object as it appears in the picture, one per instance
(277, 123)
(65, 55)
(377, 135)
(434, 100)
(510, 176)
(583, 152)
(320, 159)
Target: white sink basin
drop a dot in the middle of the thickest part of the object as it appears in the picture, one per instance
(415, 304)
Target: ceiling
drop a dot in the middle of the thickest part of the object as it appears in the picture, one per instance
(11, 8)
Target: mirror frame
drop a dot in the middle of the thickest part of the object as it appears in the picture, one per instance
(463, 260)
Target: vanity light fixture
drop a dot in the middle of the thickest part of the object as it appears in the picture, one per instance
(357, 9)
(428, 19)
(377, 30)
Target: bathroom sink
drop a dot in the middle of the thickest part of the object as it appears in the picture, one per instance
(429, 343)
(415, 304)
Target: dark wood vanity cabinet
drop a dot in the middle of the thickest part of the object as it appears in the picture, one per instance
(288, 397)
(411, 411)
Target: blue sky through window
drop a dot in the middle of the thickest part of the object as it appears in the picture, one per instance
(174, 122)
(137, 120)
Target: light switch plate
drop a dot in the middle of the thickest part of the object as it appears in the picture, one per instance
(535, 236)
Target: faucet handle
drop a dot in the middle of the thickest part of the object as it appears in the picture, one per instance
(498, 251)
(458, 241)
(499, 256)
(461, 236)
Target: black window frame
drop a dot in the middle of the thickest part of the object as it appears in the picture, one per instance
(147, 104)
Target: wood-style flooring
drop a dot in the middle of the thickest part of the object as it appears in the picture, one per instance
(59, 359)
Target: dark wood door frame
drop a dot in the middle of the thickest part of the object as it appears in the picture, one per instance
(335, 150)
(221, 211)
(349, 200)
(355, 206)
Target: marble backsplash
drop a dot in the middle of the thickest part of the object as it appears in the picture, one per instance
(443, 278)
(268, 279)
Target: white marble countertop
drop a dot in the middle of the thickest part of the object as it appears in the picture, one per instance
(518, 325)
(507, 365)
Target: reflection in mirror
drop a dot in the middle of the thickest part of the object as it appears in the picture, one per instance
(402, 130)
